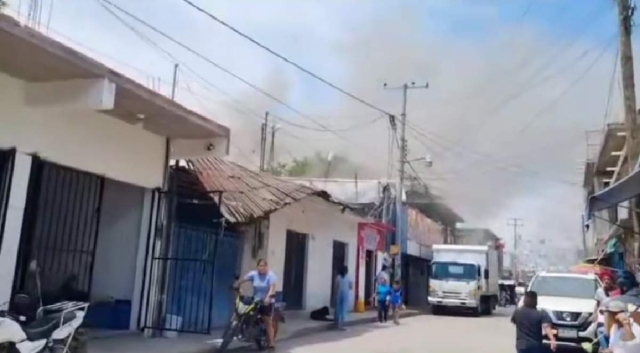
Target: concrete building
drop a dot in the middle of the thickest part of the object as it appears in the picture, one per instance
(83, 151)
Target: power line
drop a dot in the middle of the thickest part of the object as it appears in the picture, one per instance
(220, 67)
(525, 172)
(567, 90)
(285, 59)
(540, 69)
(237, 105)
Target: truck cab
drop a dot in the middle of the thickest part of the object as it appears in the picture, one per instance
(464, 277)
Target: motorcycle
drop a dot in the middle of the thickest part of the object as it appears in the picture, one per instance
(52, 331)
(31, 327)
(247, 325)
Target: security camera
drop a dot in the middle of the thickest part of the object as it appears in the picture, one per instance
(211, 147)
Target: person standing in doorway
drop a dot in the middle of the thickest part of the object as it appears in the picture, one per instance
(530, 325)
(343, 287)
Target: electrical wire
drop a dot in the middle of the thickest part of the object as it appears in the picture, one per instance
(577, 80)
(239, 106)
(516, 169)
(285, 59)
(221, 68)
(514, 95)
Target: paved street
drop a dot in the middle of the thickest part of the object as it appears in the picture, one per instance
(446, 334)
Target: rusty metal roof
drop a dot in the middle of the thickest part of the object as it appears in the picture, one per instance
(246, 194)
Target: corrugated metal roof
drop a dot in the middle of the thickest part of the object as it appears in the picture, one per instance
(246, 194)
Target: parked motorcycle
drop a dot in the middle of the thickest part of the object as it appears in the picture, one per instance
(31, 327)
(52, 332)
(246, 324)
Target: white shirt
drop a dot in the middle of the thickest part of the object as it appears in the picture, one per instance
(617, 345)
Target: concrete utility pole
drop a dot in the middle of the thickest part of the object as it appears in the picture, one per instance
(402, 159)
(515, 223)
(263, 141)
(625, 15)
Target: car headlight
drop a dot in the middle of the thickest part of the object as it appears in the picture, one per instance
(473, 293)
(432, 291)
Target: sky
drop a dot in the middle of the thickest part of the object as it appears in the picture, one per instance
(513, 87)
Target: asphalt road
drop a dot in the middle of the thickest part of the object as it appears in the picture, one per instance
(446, 334)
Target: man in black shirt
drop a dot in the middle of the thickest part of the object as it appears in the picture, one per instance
(530, 323)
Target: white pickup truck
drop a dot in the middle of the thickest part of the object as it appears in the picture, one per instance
(464, 277)
(569, 299)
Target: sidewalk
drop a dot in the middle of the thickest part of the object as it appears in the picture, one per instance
(298, 325)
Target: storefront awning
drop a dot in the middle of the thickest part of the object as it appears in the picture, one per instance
(621, 191)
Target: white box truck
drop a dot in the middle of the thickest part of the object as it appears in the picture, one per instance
(464, 277)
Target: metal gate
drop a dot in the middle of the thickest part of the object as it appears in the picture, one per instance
(6, 173)
(190, 270)
(60, 230)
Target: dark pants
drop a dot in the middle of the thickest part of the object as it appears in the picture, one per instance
(383, 310)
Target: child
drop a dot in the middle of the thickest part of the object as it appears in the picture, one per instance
(397, 303)
(383, 293)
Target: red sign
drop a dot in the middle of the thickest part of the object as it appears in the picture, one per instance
(371, 236)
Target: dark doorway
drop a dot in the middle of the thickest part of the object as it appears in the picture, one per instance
(369, 275)
(339, 260)
(295, 261)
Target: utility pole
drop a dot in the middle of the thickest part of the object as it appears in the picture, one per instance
(263, 141)
(625, 15)
(272, 148)
(515, 223)
(402, 159)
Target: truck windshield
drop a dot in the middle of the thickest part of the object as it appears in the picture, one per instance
(454, 271)
(565, 286)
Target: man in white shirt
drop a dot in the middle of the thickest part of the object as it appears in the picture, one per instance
(624, 336)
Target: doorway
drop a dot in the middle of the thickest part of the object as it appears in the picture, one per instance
(369, 275)
(338, 261)
(295, 261)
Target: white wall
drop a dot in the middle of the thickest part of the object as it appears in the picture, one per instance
(13, 224)
(81, 139)
(324, 223)
(115, 262)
